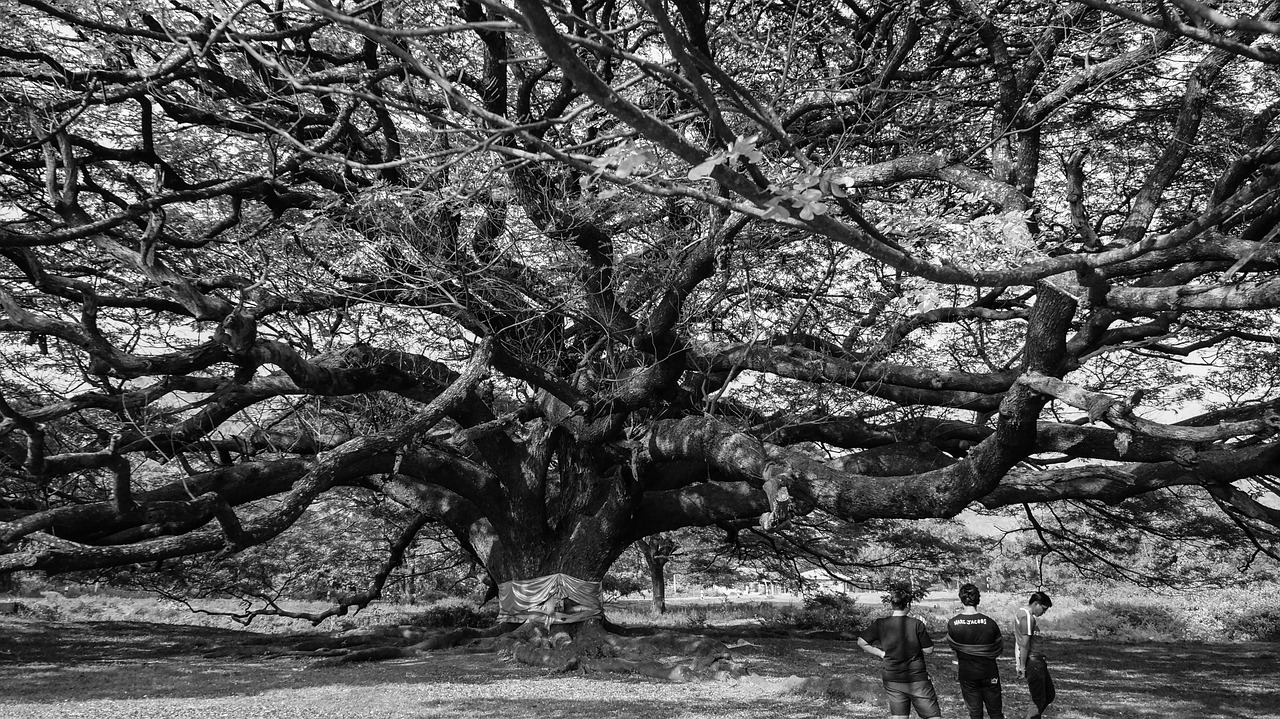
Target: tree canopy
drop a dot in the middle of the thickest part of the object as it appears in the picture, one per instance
(559, 277)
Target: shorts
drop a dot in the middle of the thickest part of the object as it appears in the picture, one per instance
(919, 694)
(1039, 683)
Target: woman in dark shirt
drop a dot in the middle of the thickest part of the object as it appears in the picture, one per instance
(902, 642)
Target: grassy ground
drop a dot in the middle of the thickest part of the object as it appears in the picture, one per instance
(114, 669)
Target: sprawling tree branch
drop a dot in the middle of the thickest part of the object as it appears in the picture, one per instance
(909, 263)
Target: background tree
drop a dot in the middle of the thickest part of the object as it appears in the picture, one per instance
(564, 276)
(657, 552)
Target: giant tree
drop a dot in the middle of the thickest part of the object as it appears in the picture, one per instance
(564, 276)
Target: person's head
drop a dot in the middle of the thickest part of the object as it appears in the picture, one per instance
(1039, 603)
(899, 598)
(970, 596)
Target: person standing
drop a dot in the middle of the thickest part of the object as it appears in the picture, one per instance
(902, 642)
(976, 640)
(1029, 653)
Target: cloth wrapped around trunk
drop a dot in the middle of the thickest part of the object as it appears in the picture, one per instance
(537, 599)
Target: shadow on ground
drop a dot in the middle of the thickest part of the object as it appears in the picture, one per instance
(1221, 680)
(45, 664)
(82, 661)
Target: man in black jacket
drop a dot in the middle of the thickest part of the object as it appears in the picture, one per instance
(976, 640)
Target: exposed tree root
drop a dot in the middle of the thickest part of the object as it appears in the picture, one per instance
(392, 642)
(667, 656)
(591, 648)
(372, 654)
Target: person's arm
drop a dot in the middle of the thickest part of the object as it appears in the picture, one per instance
(1021, 638)
(926, 641)
(873, 651)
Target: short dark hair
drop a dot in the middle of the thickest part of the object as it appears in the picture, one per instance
(1040, 598)
(969, 595)
(899, 597)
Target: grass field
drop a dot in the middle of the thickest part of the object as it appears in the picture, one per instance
(104, 670)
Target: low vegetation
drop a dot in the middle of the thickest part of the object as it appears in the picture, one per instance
(1114, 615)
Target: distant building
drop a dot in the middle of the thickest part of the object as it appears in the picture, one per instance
(821, 581)
(765, 587)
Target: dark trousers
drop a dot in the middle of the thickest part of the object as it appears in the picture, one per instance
(1039, 683)
(978, 693)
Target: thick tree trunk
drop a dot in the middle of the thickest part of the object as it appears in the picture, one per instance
(658, 577)
(584, 550)
(566, 511)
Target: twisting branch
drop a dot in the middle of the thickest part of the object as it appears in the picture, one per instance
(1169, 22)
(35, 461)
(122, 493)
(1119, 413)
(327, 471)
(1075, 199)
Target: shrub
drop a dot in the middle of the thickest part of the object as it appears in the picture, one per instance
(621, 586)
(428, 596)
(1213, 618)
(829, 602)
(696, 617)
(454, 615)
(1260, 625)
(1128, 622)
(831, 612)
(42, 611)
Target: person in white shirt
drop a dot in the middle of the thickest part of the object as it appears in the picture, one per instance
(1029, 653)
